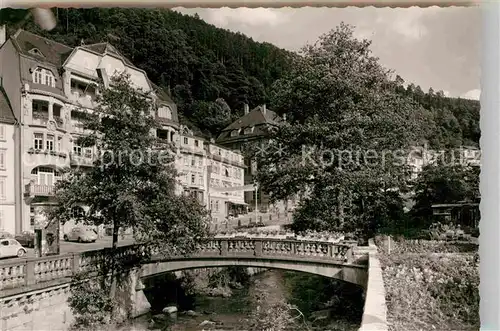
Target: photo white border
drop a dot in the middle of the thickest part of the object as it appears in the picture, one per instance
(489, 226)
(489, 122)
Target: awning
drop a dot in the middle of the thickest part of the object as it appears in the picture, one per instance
(237, 202)
(245, 188)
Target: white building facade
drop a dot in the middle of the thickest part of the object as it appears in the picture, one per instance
(211, 173)
(48, 86)
(8, 146)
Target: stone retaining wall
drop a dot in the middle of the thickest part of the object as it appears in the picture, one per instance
(375, 310)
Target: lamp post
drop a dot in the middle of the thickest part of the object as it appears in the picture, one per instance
(256, 212)
(209, 205)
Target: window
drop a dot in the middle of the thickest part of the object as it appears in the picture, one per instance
(35, 51)
(185, 140)
(3, 188)
(193, 161)
(87, 152)
(2, 132)
(216, 205)
(200, 162)
(77, 211)
(37, 76)
(50, 142)
(165, 112)
(77, 149)
(38, 141)
(249, 130)
(45, 176)
(193, 179)
(3, 159)
(44, 76)
(196, 143)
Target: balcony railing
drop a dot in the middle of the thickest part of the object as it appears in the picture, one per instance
(82, 100)
(77, 127)
(40, 117)
(39, 190)
(81, 160)
(47, 152)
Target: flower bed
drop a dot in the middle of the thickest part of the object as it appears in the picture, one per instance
(401, 246)
(431, 292)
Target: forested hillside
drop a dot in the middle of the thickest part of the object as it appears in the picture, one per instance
(212, 72)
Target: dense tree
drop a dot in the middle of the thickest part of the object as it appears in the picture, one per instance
(201, 63)
(444, 182)
(347, 133)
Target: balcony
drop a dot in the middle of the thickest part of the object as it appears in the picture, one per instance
(81, 160)
(188, 149)
(34, 190)
(84, 100)
(39, 157)
(77, 127)
(40, 118)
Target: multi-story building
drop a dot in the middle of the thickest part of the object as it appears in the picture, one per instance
(211, 173)
(419, 157)
(254, 127)
(8, 145)
(48, 86)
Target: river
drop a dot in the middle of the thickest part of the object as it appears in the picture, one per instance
(271, 300)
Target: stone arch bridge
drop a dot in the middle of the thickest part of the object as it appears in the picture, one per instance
(34, 292)
(329, 259)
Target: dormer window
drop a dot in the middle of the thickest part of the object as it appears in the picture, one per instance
(234, 133)
(36, 51)
(249, 130)
(165, 112)
(43, 76)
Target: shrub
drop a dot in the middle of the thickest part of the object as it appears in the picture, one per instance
(91, 304)
(431, 292)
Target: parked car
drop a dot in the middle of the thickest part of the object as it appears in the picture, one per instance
(5, 234)
(81, 234)
(11, 247)
(26, 238)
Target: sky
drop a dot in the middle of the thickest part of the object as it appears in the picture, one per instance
(431, 47)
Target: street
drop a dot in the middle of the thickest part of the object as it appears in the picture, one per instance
(74, 247)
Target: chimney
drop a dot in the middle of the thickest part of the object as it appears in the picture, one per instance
(264, 109)
(246, 108)
(3, 34)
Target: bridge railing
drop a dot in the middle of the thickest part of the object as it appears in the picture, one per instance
(279, 248)
(34, 271)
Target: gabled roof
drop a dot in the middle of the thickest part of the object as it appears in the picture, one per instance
(6, 113)
(260, 118)
(52, 51)
(106, 47)
(255, 117)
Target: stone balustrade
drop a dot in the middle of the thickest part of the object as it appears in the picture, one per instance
(17, 274)
(341, 252)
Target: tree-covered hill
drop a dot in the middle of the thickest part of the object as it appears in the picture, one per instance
(212, 72)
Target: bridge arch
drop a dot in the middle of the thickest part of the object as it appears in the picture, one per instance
(354, 274)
